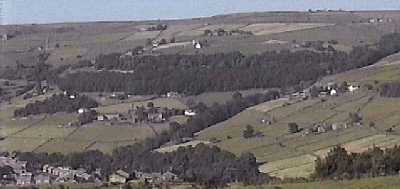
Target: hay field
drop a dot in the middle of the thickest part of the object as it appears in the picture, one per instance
(143, 35)
(270, 105)
(280, 165)
(209, 98)
(199, 31)
(366, 143)
(272, 28)
(176, 147)
(178, 31)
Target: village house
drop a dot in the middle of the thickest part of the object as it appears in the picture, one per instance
(266, 121)
(65, 174)
(353, 88)
(323, 94)
(5, 37)
(24, 179)
(173, 94)
(101, 118)
(190, 113)
(198, 45)
(150, 178)
(119, 176)
(333, 92)
(82, 110)
(155, 117)
(154, 178)
(114, 117)
(42, 179)
(155, 44)
(170, 177)
(335, 127)
(81, 174)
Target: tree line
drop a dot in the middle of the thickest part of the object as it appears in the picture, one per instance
(197, 73)
(56, 103)
(340, 164)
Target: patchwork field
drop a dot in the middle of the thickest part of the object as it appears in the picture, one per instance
(272, 28)
(159, 102)
(293, 155)
(176, 147)
(48, 133)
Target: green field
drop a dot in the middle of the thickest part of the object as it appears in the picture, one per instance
(277, 147)
(369, 183)
(48, 133)
(159, 102)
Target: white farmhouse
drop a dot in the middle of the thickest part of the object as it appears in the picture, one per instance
(352, 88)
(82, 110)
(197, 46)
(190, 113)
(333, 92)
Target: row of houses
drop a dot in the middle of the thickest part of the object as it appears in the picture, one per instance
(121, 177)
(379, 20)
(66, 174)
(330, 89)
(19, 175)
(325, 127)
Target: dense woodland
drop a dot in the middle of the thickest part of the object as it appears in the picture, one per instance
(202, 164)
(56, 103)
(340, 164)
(194, 74)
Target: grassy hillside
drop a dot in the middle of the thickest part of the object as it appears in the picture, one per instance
(50, 133)
(68, 43)
(293, 155)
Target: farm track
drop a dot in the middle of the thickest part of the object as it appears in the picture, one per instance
(71, 133)
(89, 145)
(41, 145)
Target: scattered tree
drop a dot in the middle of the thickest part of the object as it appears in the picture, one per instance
(293, 127)
(248, 132)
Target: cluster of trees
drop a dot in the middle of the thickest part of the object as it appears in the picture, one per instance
(203, 164)
(293, 127)
(340, 164)
(250, 132)
(56, 103)
(87, 117)
(197, 73)
(158, 27)
(390, 89)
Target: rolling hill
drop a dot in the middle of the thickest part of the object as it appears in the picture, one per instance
(293, 155)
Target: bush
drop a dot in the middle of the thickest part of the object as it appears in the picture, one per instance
(293, 127)
(248, 132)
